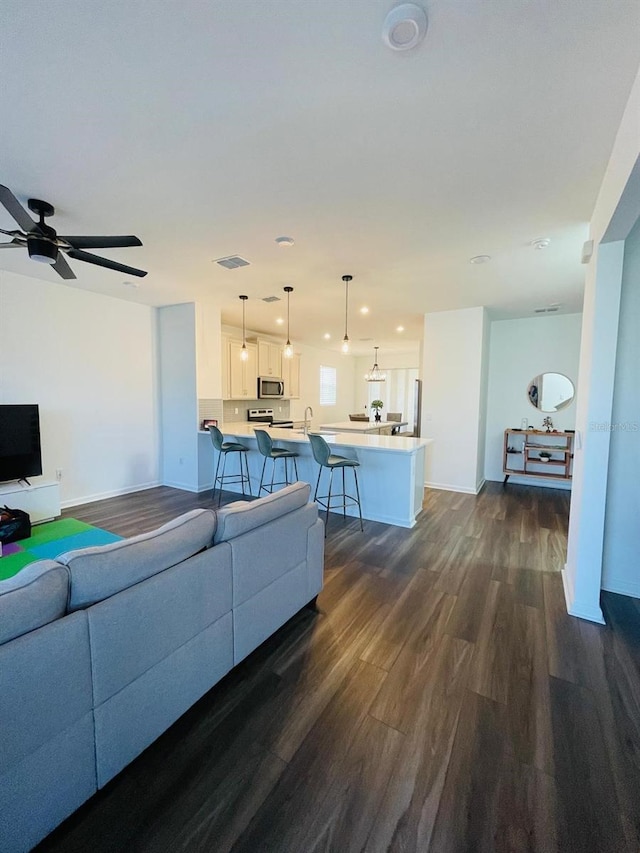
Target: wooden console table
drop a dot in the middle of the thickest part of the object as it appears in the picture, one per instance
(537, 453)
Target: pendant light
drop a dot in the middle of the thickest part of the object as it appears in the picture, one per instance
(244, 352)
(345, 340)
(375, 374)
(288, 350)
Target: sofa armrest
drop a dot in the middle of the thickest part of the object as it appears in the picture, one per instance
(242, 516)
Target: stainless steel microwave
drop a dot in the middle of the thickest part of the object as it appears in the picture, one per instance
(270, 388)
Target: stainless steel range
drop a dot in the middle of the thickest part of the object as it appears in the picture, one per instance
(265, 416)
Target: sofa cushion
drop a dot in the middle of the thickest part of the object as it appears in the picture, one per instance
(35, 596)
(242, 516)
(100, 572)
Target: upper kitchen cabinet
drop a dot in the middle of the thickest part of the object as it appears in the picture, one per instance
(269, 359)
(243, 375)
(291, 376)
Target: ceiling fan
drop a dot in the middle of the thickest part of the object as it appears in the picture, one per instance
(46, 246)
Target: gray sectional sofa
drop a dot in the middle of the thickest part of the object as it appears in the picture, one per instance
(103, 649)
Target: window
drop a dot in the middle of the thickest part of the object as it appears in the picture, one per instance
(328, 386)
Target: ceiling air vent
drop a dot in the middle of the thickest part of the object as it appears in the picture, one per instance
(271, 299)
(232, 262)
(550, 310)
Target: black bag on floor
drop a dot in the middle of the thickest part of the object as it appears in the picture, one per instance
(15, 524)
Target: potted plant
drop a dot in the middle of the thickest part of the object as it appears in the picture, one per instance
(377, 405)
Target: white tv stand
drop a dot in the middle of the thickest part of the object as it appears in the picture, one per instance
(41, 500)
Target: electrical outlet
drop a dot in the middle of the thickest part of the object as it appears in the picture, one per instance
(235, 411)
(58, 474)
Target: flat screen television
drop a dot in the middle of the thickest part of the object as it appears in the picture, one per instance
(20, 455)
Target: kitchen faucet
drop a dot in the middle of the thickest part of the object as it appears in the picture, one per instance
(307, 425)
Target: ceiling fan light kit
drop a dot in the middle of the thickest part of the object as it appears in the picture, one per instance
(45, 246)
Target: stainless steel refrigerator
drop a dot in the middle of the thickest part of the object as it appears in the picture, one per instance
(417, 407)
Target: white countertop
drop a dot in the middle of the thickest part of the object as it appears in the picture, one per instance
(364, 441)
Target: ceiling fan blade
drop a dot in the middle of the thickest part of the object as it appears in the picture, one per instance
(62, 267)
(14, 244)
(17, 211)
(102, 242)
(104, 262)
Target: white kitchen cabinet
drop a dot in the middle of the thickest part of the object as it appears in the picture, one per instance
(269, 359)
(243, 375)
(291, 376)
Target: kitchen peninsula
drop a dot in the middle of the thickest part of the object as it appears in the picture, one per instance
(391, 472)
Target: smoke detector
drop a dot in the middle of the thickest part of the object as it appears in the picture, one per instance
(541, 243)
(404, 27)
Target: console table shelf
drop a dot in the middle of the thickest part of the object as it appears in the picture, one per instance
(522, 454)
(41, 501)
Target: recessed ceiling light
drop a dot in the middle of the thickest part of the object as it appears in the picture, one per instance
(279, 321)
(327, 336)
(364, 310)
(480, 259)
(400, 329)
(541, 243)
(285, 241)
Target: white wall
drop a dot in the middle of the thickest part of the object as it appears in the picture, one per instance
(310, 360)
(88, 361)
(520, 350)
(621, 556)
(616, 211)
(452, 397)
(178, 397)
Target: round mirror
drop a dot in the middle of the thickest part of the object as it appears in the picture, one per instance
(550, 392)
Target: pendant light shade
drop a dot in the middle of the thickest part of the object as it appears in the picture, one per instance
(244, 352)
(288, 350)
(345, 340)
(375, 374)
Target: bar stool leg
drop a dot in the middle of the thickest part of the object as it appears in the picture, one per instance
(286, 473)
(315, 494)
(273, 472)
(241, 472)
(344, 497)
(295, 466)
(215, 479)
(329, 500)
(262, 477)
(355, 476)
(224, 465)
(246, 465)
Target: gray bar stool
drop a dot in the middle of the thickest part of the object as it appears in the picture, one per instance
(326, 459)
(224, 448)
(265, 446)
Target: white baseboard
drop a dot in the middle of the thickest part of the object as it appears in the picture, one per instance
(114, 493)
(631, 588)
(447, 487)
(590, 612)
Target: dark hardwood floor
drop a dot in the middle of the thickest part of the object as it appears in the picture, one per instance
(440, 700)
